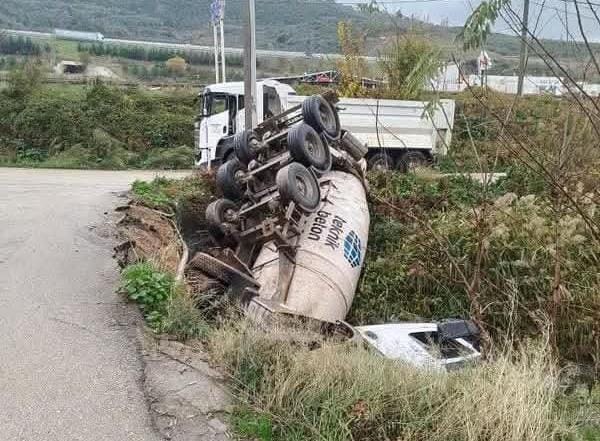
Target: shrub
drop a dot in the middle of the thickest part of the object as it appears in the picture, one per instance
(120, 128)
(515, 264)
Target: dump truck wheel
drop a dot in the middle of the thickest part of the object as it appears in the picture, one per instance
(297, 184)
(322, 116)
(244, 144)
(229, 179)
(381, 161)
(220, 271)
(410, 161)
(307, 147)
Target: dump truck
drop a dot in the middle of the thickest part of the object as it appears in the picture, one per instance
(399, 134)
(292, 227)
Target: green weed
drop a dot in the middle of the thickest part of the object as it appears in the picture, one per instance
(150, 288)
(251, 424)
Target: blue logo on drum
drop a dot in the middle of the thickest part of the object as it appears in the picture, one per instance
(352, 249)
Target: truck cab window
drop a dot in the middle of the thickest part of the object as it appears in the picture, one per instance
(440, 348)
(215, 104)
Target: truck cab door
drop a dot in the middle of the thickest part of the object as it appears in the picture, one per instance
(214, 126)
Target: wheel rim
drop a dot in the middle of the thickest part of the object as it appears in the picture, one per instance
(413, 163)
(327, 118)
(315, 148)
(238, 176)
(229, 215)
(382, 164)
(306, 189)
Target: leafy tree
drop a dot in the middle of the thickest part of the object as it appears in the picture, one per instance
(409, 63)
(479, 24)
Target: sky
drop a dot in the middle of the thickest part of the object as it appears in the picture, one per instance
(552, 22)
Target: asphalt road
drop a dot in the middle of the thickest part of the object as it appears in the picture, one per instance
(69, 362)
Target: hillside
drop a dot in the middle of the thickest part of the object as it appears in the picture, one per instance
(295, 25)
(282, 24)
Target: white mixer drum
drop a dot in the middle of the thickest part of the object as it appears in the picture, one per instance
(329, 258)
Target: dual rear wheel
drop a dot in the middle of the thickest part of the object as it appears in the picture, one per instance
(406, 163)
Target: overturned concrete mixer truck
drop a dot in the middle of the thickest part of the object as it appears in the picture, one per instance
(293, 228)
(294, 215)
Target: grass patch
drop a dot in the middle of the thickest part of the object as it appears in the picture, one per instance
(341, 392)
(167, 306)
(252, 425)
(164, 194)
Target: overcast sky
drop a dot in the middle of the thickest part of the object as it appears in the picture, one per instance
(552, 23)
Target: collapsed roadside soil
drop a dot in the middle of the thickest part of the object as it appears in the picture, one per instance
(188, 398)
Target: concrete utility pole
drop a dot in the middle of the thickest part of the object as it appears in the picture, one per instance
(524, 38)
(216, 37)
(222, 23)
(250, 65)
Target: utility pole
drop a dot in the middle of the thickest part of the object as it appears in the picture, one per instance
(216, 17)
(222, 23)
(524, 48)
(216, 38)
(250, 65)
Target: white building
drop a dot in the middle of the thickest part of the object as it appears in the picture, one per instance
(78, 35)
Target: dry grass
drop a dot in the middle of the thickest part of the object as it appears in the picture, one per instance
(342, 392)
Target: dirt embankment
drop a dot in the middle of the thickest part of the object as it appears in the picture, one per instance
(148, 235)
(187, 397)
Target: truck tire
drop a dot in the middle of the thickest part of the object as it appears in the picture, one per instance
(219, 213)
(244, 145)
(350, 144)
(381, 161)
(307, 147)
(321, 116)
(229, 179)
(220, 271)
(410, 161)
(297, 184)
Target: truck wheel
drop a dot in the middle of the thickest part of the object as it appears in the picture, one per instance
(321, 116)
(219, 270)
(307, 147)
(245, 144)
(229, 179)
(381, 161)
(218, 214)
(410, 161)
(297, 184)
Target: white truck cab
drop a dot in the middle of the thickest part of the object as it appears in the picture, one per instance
(443, 346)
(222, 115)
(420, 344)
